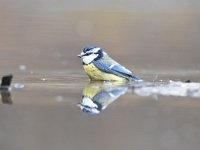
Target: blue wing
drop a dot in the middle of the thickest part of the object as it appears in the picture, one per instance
(125, 72)
(121, 69)
(105, 68)
(116, 69)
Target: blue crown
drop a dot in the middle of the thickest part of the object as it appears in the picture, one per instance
(88, 48)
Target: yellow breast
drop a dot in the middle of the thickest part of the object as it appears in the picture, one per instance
(96, 74)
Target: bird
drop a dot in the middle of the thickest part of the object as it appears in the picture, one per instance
(98, 65)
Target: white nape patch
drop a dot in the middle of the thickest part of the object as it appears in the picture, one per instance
(95, 50)
(88, 59)
(86, 101)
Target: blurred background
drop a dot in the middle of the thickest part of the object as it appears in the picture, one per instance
(39, 44)
(48, 34)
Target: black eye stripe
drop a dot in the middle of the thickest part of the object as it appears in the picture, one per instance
(86, 50)
(87, 54)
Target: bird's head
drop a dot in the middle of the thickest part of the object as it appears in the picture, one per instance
(90, 54)
(89, 106)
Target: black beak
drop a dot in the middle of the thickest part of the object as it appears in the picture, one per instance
(79, 55)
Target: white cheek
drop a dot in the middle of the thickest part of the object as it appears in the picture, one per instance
(89, 59)
(82, 53)
(86, 101)
(95, 50)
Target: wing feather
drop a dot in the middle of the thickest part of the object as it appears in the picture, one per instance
(109, 65)
(106, 69)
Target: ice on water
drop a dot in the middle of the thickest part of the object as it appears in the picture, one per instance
(170, 88)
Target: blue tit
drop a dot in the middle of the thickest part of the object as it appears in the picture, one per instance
(99, 66)
(97, 95)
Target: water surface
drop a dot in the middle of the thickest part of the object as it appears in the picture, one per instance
(44, 115)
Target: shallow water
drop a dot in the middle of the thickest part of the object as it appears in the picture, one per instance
(46, 109)
(44, 114)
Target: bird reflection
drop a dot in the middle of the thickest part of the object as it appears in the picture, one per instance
(97, 95)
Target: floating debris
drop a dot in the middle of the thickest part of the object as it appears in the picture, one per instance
(31, 72)
(43, 79)
(5, 89)
(19, 85)
(188, 81)
(22, 67)
(6, 82)
(59, 98)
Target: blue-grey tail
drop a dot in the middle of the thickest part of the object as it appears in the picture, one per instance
(134, 78)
